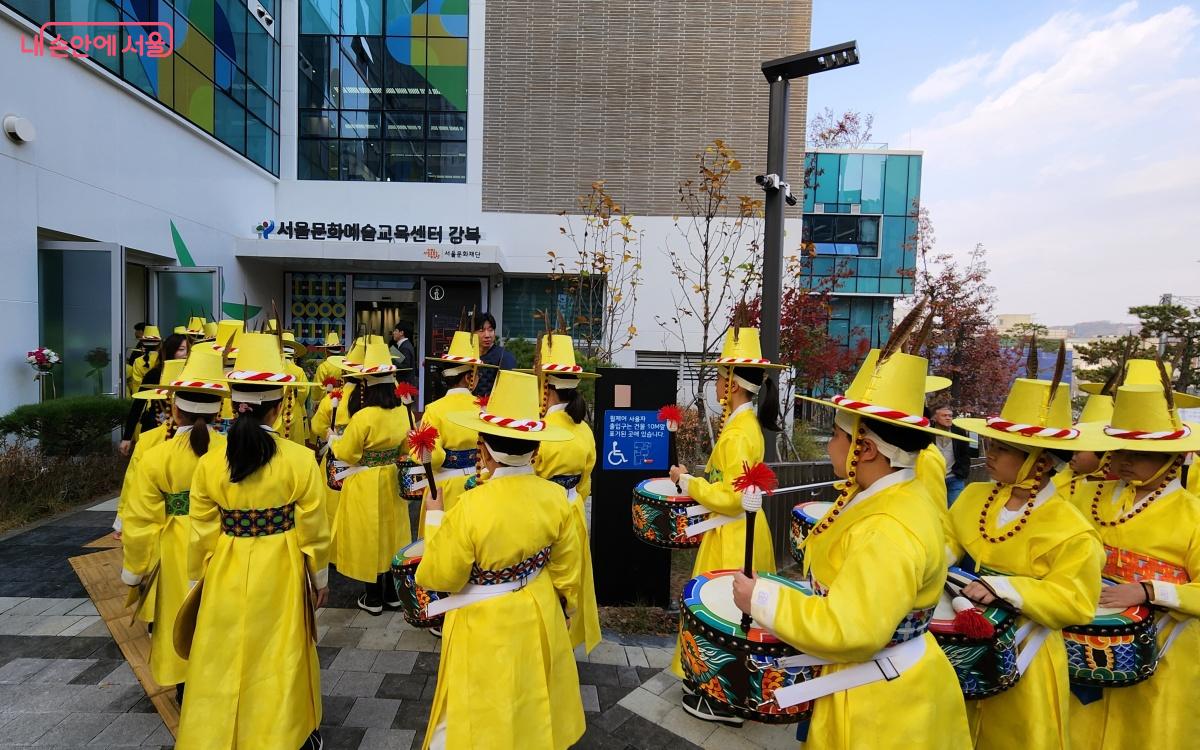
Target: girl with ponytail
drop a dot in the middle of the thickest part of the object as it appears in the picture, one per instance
(156, 515)
(260, 550)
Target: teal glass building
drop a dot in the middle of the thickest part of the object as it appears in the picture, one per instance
(860, 209)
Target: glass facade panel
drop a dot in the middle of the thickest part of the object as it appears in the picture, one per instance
(318, 160)
(850, 179)
(392, 75)
(75, 317)
(826, 178)
(895, 187)
(217, 44)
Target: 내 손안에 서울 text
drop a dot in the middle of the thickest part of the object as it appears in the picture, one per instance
(101, 39)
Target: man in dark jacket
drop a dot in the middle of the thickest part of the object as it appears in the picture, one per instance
(958, 453)
(404, 354)
(492, 353)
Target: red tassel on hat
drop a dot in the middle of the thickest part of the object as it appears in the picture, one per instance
(969, 621)
(672, 415)
(482, 402)
(421, 441)
(759, 476)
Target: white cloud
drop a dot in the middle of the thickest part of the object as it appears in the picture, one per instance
(1076, 161)
(950, 79)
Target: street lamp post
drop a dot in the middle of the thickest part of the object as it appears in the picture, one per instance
(779, 74)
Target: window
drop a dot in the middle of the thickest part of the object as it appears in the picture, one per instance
(843, 234)
(217, 45)
(383, 85)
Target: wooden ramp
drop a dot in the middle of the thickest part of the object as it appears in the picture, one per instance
(100, 573)
(104, 542)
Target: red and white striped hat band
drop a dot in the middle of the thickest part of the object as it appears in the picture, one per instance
(561, 368)
(1032, 430)
(520, 425)
(252, 376)
(458, 358)
(742, 361)
(375, 369)
(1182, 432)
(884, 412)
(205, 384)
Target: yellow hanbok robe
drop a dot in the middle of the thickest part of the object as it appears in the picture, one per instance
(1161, 711)
(1193, 478)
(253, 679)
(507, 677)
(739, 444)
(295, 398)
(157, 532)
(330, 367)
(931, 472)
(450, 483)
(372, 523)
(137, 371)
(880, 560)
(570, 458)
(1050, 571)
(325, 419)
(145, 442)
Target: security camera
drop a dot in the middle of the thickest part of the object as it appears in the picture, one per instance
(768, 181)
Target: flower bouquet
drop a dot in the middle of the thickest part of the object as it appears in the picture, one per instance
(42, 359)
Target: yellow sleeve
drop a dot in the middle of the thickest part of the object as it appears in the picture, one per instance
(312, 522)
(350, 446)
(875, 588)
(432, 418)
(931, 470)
(589, 463)
(1068, 594)
(144, 519)
(954, 548)
(566, 560)
(322, 418)
(1183, 598)
(204, 516)
(731, 452)
(449, 553)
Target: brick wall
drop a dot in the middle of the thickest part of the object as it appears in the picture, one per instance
(628, 91)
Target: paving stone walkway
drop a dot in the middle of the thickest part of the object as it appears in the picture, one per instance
(65, 684)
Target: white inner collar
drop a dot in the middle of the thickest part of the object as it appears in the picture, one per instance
(744, 407)
(555, 408)
(896, 477)
(458, 390)
(1006, 516)
(511, 471)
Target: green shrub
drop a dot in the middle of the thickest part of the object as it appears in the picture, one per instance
(71, 426)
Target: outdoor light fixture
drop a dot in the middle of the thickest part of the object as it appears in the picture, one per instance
(779, 73)
(19, 129)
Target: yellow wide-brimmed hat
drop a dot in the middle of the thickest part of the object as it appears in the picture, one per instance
(1033, 419)
(210, 330)
(463, 351)
(935, 383)
(354, 356)
(228, 334)
(181, 330)
(557, 357)
(513, 410)
(292, 347)
(742, 349)
(202, 373)
(332, 340)
(155, 391)
(259, 361)
(195, 326)
(1144, 420)
(1097, 410)
(150, 333)
(1145, 372)
(891, 391)
(376, 360)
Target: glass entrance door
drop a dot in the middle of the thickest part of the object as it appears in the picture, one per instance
(178, 293)
(77, 318)
(444, 301)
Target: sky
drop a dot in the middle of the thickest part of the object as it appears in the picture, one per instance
(1063, 136)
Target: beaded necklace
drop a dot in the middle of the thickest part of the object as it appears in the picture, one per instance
(1139, 506)
(844, 497)
(1026, 511)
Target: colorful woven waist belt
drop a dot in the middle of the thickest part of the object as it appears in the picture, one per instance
(567, 481)
(258, 521)
(177, 503)
(385, 457)
(914, 624)
(464, 459)
(1132, 567)
(523, 569)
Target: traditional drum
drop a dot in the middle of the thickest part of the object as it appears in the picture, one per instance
(332, 467)
(985, 666)
(804, 517)
(412, 483)
(736, 668)
(661, 515)
(1117, 648)
(414, 600)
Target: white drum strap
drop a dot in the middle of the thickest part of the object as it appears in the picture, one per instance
(473, 593)
(1178, 628)
(447, 474)
(886, 665)
(349, 471)
(1029, 640)
(716, 521)
(572, 495)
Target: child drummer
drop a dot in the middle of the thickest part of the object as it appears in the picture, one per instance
(741, 378)
(1034, 553)
(878, 567)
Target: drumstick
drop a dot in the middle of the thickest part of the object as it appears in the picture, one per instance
(421, 441)
(673, 416)
(748, 568)
(754, 482)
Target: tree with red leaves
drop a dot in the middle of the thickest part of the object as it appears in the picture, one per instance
(964, 344)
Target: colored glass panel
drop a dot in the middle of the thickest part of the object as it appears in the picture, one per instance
(320, 17)
(229, 121)
(229, 20)
(194, 47)
(37, 11)
(200, 14)
(895, 189)
(850, 179)
(362, 17)
(826, 178)
(193, 95)
(871, 195)
(261, 54)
